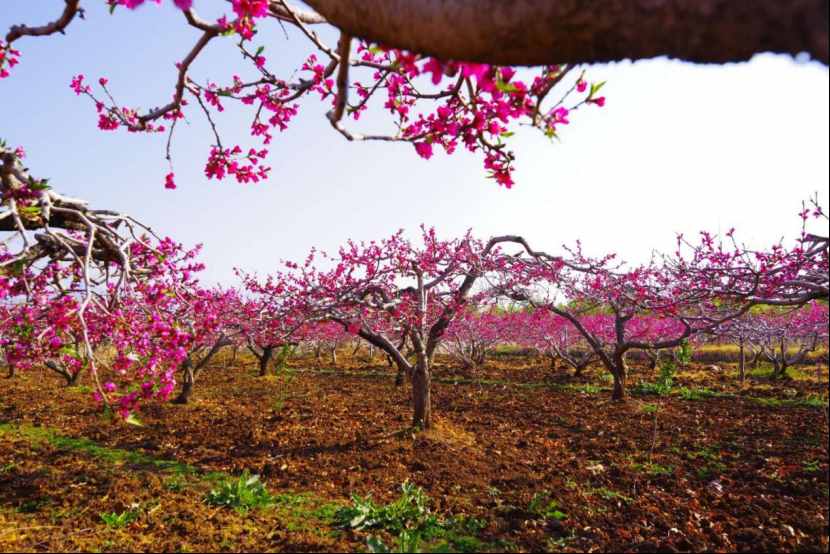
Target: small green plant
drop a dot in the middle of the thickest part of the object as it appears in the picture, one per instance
(31, 506)
(409, 520)
(649, 408)
(683, 354)
(118, 519)
(812, 466)
(244, 493)
(653, 469)
(411, 508)
(609, 494)
(697, 394)
(542, 505)
(175, 484)
(586, 389)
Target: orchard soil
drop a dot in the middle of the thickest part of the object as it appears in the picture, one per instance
(723, 467)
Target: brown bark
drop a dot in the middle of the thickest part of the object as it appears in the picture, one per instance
(190, 371)
(70, 378)
(188, 380)
(541, 32)
(265, 359)
(619, 373)
(619, 386)
(73, 379)
(742, 362)
(421, 395)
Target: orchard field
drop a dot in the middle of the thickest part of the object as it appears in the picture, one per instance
(521, 458)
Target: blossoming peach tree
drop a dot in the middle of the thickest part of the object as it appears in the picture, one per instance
(74, 278)
(700, 287)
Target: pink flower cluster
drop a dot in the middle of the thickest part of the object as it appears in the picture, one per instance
(9, 57)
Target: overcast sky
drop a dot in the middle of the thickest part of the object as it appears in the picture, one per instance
(677, 148)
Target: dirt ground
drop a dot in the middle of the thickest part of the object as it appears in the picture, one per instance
(710, 466)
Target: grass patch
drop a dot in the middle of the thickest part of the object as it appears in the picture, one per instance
(699, 394)
(812, 401)
(115, 456)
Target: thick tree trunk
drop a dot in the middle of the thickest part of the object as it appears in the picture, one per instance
(619, 386)
(421, 394)
(73, 379)
(70, 379)
(10, 373)
(188, 380)
(543, 32)
(619, 373)
(265, 359)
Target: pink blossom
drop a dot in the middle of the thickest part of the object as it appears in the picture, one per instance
(424, 149)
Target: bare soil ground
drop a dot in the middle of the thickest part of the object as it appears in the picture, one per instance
(538, 459)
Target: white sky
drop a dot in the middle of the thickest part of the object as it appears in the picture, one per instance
(678, 148)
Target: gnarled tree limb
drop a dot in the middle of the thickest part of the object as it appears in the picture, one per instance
(541, 32)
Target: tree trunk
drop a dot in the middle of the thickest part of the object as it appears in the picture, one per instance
(654, 359)
(10, 374)
(619, 387)
(421, 394)
(742, 363)
(431, 360)
(544, 32)
(73, 379)
(265, 359)
(68, 377)
(779, 362)
(188, 379)
(334, 356)
(619, 373)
